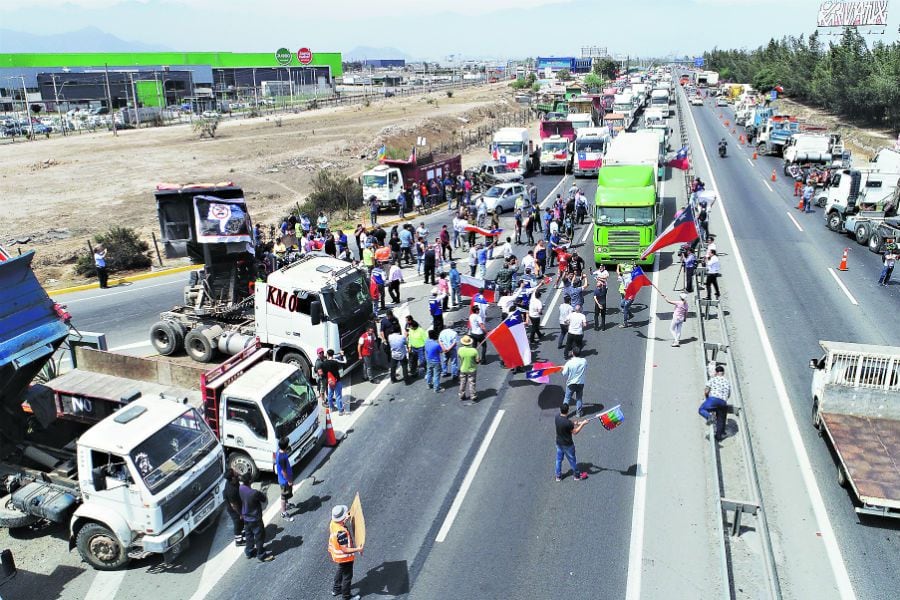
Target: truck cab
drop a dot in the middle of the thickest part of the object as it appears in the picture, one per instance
(590, 146)
(555, 153)
(659, 99)
(513, 147)
(385, 183)
(852, 190)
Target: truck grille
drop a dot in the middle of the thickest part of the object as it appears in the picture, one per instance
(177, 503)
(624, 238)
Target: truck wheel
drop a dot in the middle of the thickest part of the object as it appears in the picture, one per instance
(816, 417)
(841, 476)
(835, 222)
(242, 463)
(875, 242)
(498, 210)
(167, 337)
(12, 518)
(198, 346)
(862, 233)
(822, 201)
(298, 360)
(785, 169)
(761, 149)
(100, 548)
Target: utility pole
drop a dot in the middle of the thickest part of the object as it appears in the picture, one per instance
(290, 83)
(27, 108)
(137, 114)
(62, 123)
(112, 117)
(255, 90)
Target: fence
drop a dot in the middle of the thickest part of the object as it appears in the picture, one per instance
(463, 139)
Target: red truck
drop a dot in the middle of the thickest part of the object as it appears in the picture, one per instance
(392, 176)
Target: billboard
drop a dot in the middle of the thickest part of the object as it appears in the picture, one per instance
(852, 14)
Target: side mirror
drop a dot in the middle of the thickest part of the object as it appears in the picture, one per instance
(315, 312)
(98, 478)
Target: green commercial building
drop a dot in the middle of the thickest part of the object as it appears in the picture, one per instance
(164, 78)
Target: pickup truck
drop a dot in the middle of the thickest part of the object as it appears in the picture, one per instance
(491, 173)
(856, 407)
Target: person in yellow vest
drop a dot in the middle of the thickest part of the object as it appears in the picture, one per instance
(342, 551)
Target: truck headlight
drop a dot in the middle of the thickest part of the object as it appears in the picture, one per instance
(176, 538)
(602, 249)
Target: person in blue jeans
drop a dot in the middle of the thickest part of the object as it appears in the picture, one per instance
(449, 341)
(717, 392)
(573, 371)
(455, 285)
(331, 372)
(565, 445)
(433, 352)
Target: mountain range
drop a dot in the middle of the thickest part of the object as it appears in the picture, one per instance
(89, 39)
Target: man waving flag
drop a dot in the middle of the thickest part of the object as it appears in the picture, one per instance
(682, 230)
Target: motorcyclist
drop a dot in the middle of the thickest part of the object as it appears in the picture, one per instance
(723, 145)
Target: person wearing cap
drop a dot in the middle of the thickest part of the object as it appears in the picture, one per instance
(679, 316)
(887, 262)
(319, 370)
(342, 551)
(716, 392)
(468, 368)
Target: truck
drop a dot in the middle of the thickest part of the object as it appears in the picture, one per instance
(391, 176)
(137, 482)
(636, 148)
(580, 120)
(813, 148)
(616, 122)
(659, 100)
(590, 145)
(624, 105)
(490, 173)
(316, 301)
(774, 133)
(514, 147)
(556, 154)
(627, 212)
(557, 126)
(871, 187)
(856, 408)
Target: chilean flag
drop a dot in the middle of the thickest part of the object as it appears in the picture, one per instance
(483, 231)
(471, 286)
(511, 341)
(681, 160)
(682, 230)
(542, 371)
(638, 280)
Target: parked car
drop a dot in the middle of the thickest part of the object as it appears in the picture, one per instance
(210, 114)
(721, 101)
(502, 197)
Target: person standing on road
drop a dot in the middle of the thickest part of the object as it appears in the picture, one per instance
(318, 369)
(232, 496)
(565, 309)
(476, 329)
(717, 392)
(100, 266)
(887, 262)
(436, 309)
(449, 340)
(433, 362)
(341, 550)
(252, 502)
(565, 445)
(395, 278)
(690, 265)
(535, 310)
(808, 192)
(416, 337)
(468, 369)
(455, 285)
(399, 352)
(679, 316)
(576, 323)
(713, 272)
(573, 371)
(331, 372)
(429, 263)
(599, 297)
(285, 473)
(378, 276)
(366, 348)
(373, 210)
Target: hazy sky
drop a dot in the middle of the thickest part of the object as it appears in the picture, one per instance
(430, 28)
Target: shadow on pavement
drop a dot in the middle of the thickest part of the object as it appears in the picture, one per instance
(41, 586)
(550, 397)
(592, 469)
(282, 544)
(387, 579)
(311, 504)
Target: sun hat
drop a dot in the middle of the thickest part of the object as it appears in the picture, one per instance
(339, 513)
(466, 340)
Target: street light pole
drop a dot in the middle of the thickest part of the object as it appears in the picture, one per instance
(62, 123)
(137, 114)
(27, 108)
(112, 116)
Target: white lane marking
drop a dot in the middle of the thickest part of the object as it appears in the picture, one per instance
(636, 545)
(794, 221)
(131, 289)
(843, 287)
(218, 565)
(130, 346)
(105, 585)
(768, 186)
(469, 478)
(750, 161)
(823, 522)
(558, 293)
(587, 231)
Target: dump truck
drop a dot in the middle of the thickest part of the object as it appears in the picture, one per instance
(856, 407)
(808, 147)
(137, 482)
(391, 176)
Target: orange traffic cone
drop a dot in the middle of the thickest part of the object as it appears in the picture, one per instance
(727, 122)
(755, 155)
(843, 266)
(330, 438)
(800, 203)
(774, 176)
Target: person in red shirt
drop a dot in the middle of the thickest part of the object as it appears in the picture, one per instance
(563, 257)
(366, 347)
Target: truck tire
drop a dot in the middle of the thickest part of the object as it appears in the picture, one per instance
(198, 346)
(761, 149)
(862, 233)
(167, 337)
(299, 361)
(816, 417)
(841, 476)
(822, 201)
(242, 463)
(875, 242)
(835, 222)
(100, 547)
(12, 518)
(785, 168)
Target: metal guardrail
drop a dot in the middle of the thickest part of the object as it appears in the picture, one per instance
(711, 316)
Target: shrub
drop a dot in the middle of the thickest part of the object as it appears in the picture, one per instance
(449, 93)
(332, 192)
(124, 250)
(206, 127)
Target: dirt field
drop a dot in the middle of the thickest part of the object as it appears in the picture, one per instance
(57, 193)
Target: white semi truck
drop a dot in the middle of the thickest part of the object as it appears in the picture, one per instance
(659, 99)
(590, 145)
(514, 147)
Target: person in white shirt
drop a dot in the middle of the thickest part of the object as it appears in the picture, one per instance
(565, 309)
(476, 330)
(573, 371)
(459, 230)
(507, 304)
(528, 262)
(713, 272)
(576, 322)
(535, 310)
(395, 278)
(506, 248)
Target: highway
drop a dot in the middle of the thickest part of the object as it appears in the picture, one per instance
(791, 259)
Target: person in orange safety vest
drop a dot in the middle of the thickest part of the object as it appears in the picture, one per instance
(342, 551)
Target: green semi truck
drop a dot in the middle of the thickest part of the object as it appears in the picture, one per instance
(626, 213)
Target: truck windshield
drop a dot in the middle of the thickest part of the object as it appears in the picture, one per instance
(374, 181)
(349, 299)
(289, 404)
(172, 450)
(589, 146)
(615, 215)
(554, 146)
(661, 100)
(512, 148)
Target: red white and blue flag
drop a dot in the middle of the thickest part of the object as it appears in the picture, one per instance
(680, 231)
(681, 160)
(638, 280)
(472, 286)
(511, 341)
(483, 231)
(541, 371)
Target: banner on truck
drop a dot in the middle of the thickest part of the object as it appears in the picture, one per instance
(852, 14)
(222, 220)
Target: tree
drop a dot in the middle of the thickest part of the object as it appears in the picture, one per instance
(563, 75)
(605, 68)
(592, 81)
